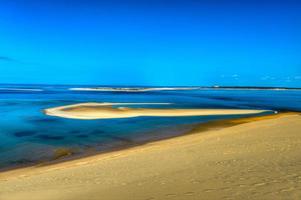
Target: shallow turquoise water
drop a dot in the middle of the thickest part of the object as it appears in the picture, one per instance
(27, 136)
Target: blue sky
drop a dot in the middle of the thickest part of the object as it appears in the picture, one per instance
(151, 42)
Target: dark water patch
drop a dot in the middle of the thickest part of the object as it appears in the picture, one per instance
(82, 136)
(43, 120)
(226, 98)
(24, 133)
(97, 132)
(132, 120)
(50, 137)
(284, 109)
(9, 103)
(214, 106)
(265, 107)
(21, 161)
(19, 92)
(74, 132)
(118, 138)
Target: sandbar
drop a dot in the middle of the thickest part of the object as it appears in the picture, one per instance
(106, 111)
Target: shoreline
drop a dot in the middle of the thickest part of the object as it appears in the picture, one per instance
(198, 128)
(246, 157)
(71, 154)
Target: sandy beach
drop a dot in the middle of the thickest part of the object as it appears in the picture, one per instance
(105, 111)
(259, 159)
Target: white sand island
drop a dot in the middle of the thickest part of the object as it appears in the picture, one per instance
(106, 111)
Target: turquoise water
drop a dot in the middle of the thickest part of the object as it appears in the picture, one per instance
(28, 136)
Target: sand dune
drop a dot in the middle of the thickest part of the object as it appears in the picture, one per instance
(104, 111)
(254, 160)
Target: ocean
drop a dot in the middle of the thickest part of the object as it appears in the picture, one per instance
(29, 137)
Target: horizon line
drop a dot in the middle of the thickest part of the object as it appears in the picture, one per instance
(116, 85)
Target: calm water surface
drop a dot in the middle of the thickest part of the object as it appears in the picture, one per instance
(28, 136)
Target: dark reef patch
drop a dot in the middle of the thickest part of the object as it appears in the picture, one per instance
(24, 133)
(50, 137)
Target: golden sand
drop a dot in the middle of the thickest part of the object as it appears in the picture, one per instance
(104, 111)
(248, 160)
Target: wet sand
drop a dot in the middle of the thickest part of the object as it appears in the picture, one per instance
(105, 111)
(252, 158)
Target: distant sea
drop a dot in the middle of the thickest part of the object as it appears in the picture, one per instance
(28, 136)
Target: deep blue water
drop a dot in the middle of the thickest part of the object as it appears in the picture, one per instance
(28, 136)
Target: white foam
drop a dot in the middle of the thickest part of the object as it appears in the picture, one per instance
(132, 89)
